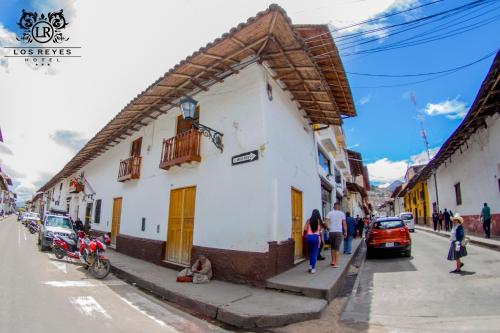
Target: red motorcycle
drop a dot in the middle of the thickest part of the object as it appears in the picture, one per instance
(87, 250)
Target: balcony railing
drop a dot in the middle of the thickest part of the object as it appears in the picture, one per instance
(182, 148)
(130, 168)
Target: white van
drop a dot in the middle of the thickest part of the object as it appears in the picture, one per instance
(407, 217)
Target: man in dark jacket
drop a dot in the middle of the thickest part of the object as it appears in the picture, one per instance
(447, 220)
(435, 220)
(86, 227)
(351, 233)
(360, 225)
(78, 225)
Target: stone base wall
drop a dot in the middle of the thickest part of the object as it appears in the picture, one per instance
(146, 249)
(248, 267)
(228, 265)
(473, 224)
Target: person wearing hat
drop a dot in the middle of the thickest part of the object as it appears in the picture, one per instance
(457, 249)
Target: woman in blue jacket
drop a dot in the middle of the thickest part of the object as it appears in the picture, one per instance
(457, 248)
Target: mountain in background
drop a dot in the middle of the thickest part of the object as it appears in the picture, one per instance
(393, 185)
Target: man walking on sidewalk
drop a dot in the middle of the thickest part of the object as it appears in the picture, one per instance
(435, 220)
(335, 221)
(447, 220)
(486, 217)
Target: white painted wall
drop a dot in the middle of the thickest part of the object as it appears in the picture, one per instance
(237, 207)
(477, 169)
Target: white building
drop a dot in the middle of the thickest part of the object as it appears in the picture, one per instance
(264, 86)
(467, 167)
(7, 197)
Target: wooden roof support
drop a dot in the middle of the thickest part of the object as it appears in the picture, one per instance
(199, 85)
(290, 63)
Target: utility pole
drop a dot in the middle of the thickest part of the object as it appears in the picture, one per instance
(426, 144)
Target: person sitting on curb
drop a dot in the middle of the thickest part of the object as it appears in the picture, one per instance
(200, 272)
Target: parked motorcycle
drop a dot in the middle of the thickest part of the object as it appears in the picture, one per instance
(33, 227)
(86, 249)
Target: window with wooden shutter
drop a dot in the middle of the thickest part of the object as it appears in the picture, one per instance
(136, 147)
(458, 194)
(97, 212)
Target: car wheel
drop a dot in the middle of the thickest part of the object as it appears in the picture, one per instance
(408, 253)
(369, 254)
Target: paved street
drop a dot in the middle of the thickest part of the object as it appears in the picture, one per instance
(39, 293)
(418, 294)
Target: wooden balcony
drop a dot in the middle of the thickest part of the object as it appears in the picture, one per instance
(130, 169)
(182, 148)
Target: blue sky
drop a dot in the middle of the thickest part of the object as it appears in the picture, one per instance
(386, 126)
(385, 131)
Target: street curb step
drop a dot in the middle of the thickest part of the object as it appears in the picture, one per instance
(473, 240)
(327, 290)
(260, 309)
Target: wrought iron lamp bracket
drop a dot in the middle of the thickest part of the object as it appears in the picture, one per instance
(215, 136)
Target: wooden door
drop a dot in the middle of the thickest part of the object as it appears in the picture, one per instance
(180, 225)
(297, 221)
(135, 150)
(115, 221)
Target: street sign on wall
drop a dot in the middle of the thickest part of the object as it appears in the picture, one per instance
(245, 157)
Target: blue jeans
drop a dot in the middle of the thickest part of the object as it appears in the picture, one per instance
(312, 249)
(348, 244)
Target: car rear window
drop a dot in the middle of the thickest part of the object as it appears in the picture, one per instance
(407, 216)
(390, 224)
(58, 221)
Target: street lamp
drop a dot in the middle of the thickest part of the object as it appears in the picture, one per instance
(188, 108)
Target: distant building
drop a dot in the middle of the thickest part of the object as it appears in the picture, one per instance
(398, 202)
(467, 167)
(7, 197)
(416, 197)
(358, 186)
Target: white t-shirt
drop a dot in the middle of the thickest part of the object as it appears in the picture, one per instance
(335, 217)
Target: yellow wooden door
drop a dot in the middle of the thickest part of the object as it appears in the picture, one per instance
(115, 221)
(180, 225)
(297, 221)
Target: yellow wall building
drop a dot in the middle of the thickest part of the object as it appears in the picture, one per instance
(417, 202)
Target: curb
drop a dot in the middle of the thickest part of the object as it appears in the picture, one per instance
(337, 286)
(219, 312)
(326, 294)
(493, 247)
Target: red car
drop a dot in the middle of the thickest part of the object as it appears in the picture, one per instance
(388, 235)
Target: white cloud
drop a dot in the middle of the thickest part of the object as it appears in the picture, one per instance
(364, 10)
(451, 108)
(386, 171)
(422, 158)
(365, 99)
(7, 38)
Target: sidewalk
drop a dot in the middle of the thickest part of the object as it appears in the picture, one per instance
(237, 305)
(491, 243)
(325, 284)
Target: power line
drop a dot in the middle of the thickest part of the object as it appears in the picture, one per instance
(375, 19)
(417, 82)
(404, 44)
(424, 18)
(355, 43)
(455, 9)
(428, 73)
